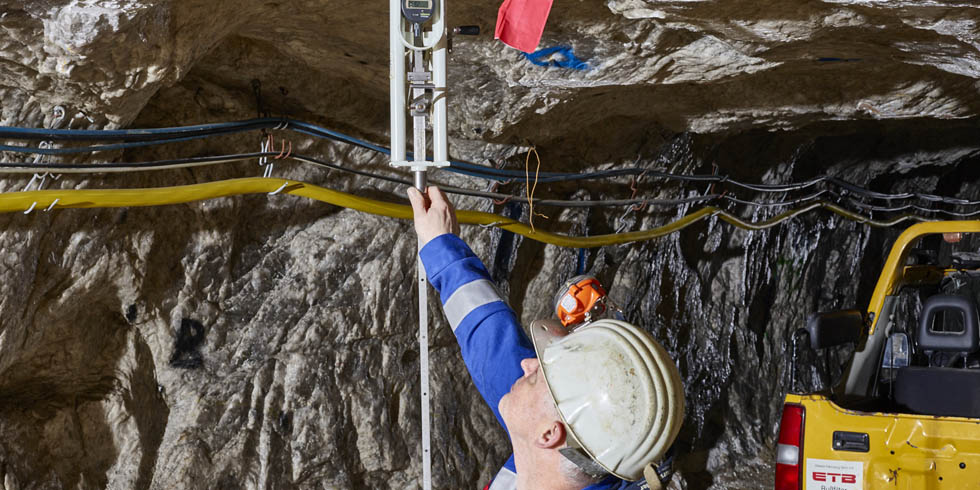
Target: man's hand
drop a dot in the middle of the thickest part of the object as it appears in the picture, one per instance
(434, 215)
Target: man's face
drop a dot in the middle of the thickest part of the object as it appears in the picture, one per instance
(528, 404)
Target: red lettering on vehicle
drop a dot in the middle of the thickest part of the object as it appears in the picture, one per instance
(834, 477)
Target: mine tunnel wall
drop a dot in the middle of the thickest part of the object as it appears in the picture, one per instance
(270, 341)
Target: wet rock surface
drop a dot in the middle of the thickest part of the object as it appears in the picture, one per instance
(270, 341)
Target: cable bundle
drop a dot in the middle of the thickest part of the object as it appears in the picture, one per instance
(837, 189)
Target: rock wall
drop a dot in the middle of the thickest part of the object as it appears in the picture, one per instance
(270, 341)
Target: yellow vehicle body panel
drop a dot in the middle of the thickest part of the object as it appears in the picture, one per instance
(907, 452)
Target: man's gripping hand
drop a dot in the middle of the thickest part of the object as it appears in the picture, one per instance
(434, 215)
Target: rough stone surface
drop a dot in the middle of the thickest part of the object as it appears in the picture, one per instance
(270, 342)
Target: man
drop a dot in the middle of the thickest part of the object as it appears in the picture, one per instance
(604, 402)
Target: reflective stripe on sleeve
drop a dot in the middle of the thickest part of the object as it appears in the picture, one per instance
(467, 298)
(505, 480)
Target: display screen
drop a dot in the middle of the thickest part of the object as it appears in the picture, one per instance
(419, 4)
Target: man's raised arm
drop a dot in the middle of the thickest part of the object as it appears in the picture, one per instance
(490, 337)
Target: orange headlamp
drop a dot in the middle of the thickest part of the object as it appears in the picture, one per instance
(581, 299)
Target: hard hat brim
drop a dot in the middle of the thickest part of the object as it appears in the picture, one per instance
(543, 334)
(546, 332)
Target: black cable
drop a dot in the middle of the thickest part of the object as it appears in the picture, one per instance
(895, 209)
(143, 137)
(500, 197)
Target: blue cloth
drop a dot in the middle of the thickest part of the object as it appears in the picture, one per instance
(565, 58)
(490, 337)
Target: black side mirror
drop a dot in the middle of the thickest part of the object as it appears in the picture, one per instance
(835, 328)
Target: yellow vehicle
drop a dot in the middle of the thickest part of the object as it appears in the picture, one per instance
(906, 413)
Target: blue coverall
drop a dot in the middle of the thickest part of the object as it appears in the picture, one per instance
(490, 337)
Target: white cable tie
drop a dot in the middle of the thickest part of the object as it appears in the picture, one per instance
(59, 115)
(622, 223)
(82, 115)
(629, 211)
(31, 182)
(52, 204)
(30, 208)
(263, 147)
(277, 191)
(40, 156)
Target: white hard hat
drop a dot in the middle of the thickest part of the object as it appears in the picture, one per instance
(616, 389)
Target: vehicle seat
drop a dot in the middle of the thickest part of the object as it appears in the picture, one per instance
(945, 347)
(939, 389)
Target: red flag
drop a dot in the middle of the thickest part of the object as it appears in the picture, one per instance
(521, 22)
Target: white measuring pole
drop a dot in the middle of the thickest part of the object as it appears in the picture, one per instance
(421, 182)
(431, 61)
(424, 375)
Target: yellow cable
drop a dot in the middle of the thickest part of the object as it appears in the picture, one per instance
(113, 198)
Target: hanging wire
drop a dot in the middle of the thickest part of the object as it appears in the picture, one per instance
(530, 188)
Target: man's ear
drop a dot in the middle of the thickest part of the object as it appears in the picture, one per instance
(552, 436)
